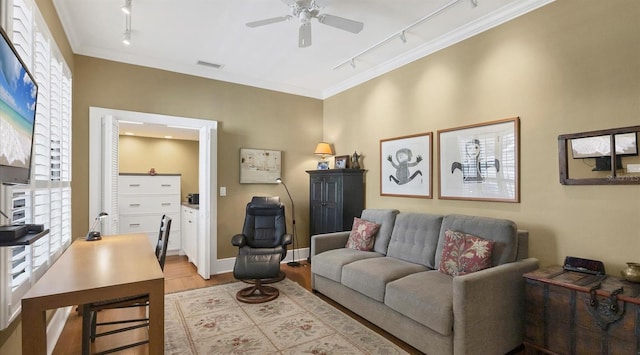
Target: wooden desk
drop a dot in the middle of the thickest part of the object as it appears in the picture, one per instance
(116, 266)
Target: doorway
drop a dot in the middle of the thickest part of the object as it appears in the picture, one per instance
(103, 129)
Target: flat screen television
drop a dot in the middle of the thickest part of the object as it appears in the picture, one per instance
(18, 96)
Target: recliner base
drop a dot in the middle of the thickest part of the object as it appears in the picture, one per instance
(258, 293)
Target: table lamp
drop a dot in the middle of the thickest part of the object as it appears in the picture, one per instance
(323, 149)
(94, 234)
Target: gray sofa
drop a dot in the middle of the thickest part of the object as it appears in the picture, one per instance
(397, 285)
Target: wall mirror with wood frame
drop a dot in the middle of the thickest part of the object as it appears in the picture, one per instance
(586, 158)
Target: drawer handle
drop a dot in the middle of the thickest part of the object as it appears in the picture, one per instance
(165, 185)
(134, 205)
(134, 185)
(134, 224)
(166, 203)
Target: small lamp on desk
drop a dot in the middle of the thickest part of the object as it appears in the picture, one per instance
(94, 234)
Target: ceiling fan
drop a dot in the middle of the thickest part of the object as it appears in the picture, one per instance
(305, 10)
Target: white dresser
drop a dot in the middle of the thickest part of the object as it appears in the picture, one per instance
(143, 199)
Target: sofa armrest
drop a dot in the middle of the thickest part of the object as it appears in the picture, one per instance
(488, 308)
(323, 242)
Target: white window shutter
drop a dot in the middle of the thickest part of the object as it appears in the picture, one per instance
(47, 200)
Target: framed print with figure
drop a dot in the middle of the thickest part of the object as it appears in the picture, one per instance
(405, 166)
(480, 162)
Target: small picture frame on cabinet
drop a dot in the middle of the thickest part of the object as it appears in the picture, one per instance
(323, 165)
(341, 162)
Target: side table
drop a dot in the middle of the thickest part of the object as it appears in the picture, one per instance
(576, 313)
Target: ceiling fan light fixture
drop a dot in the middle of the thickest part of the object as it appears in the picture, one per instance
(305, 10)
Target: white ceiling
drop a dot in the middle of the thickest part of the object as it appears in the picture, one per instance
(175, 34)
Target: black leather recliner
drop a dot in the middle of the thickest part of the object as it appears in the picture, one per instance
(261, 247)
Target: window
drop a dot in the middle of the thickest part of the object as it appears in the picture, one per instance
(47, 200)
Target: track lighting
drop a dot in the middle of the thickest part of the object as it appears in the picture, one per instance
(126, 40)
(402, 33)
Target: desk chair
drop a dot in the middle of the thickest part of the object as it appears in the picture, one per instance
(90, 311)
(261, 247)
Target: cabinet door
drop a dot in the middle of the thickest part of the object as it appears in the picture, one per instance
(332, 207)
(316, 200)
(190, 232)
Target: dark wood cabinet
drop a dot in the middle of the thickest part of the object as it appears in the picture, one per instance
(575, 313)
(335, 197)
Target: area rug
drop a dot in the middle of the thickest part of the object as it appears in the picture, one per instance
(211, 321)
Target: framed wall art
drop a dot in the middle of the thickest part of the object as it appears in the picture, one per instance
(405, 166)
(480, 162)
(260, 166)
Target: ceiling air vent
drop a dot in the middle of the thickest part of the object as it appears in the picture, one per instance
(210, 65)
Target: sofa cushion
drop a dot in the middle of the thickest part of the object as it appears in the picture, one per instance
(329, 264)
(502, 231)
(370, 276)
(464, 253)
(362, 235)
(415, 238)
(426, 297)
(386, 219)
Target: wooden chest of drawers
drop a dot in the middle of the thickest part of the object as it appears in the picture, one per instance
(576, 313)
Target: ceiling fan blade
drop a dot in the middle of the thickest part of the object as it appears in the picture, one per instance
(268, 21)
(304, 38)
(341, 23)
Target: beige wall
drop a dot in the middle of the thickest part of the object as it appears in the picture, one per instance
(569, 67)
(248, 118)
(166, 156)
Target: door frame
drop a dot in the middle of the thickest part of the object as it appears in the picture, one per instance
(207, 242)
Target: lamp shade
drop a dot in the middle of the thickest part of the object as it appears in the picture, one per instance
(323, 149)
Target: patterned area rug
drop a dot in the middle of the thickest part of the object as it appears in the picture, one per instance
(211, 321)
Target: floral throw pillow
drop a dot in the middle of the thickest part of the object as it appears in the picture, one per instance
(464, 253)
(363, 234)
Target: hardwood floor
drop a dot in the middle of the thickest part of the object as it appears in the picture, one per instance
(180, 275)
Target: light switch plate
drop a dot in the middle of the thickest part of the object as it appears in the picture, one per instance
(223, 191)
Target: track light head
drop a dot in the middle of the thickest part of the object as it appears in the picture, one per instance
(127, 7)
(126, 40)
